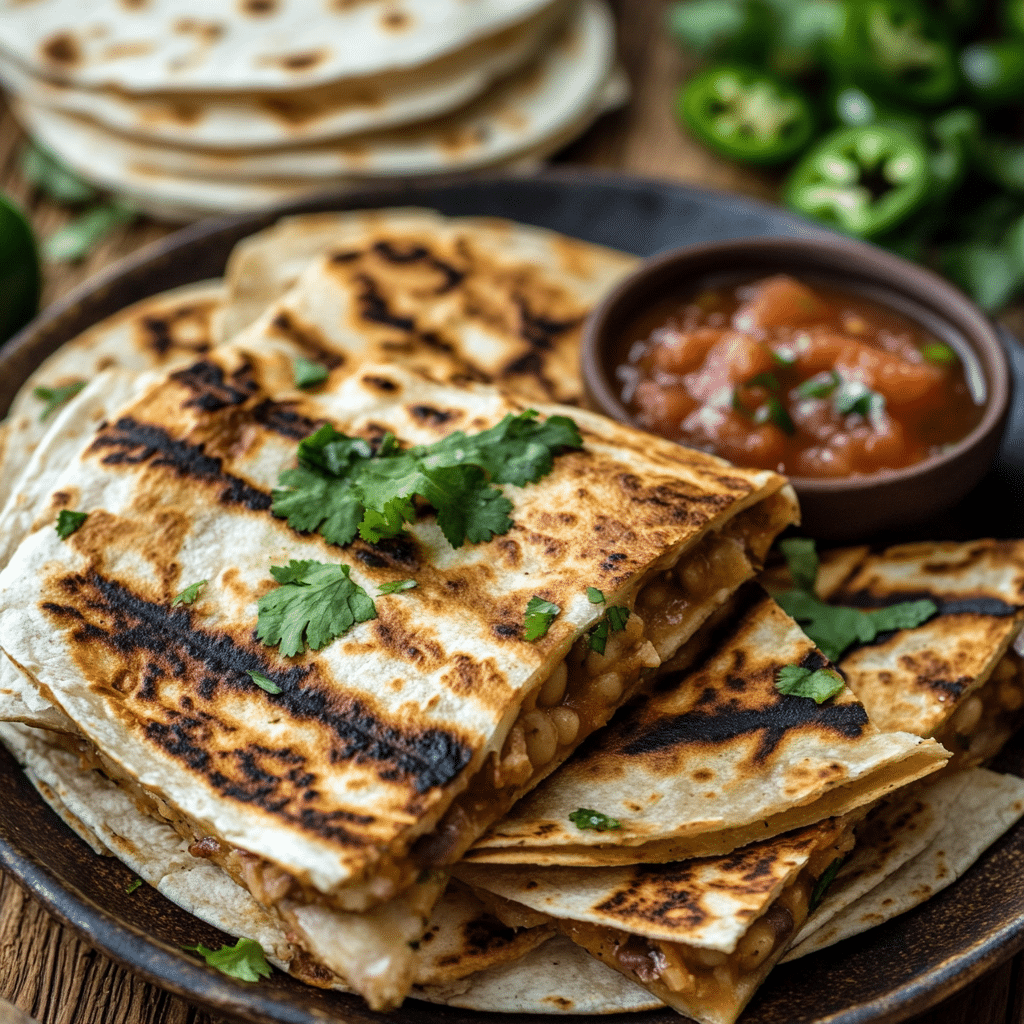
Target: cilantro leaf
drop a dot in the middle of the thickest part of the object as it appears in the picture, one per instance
(52, 177)
(820, 686)
(775, 412)
(854, 397)
(618, 617)
(308, 374)
(263, 682)
(395, 586)
(768, 381)
(783, 356)
(539, 616)
(821, 385)
(585, 819)
(595, 596)
(314, 603)
(68, 522)
(802, 559)
(598, 637)
(244, 960)
(189, 594)
(76, 239)
(137, 884)
(828, 876)
(905, 615)
(342, 486)
(56, 397)
(939, 352)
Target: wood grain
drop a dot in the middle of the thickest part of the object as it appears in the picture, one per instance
(47, 971)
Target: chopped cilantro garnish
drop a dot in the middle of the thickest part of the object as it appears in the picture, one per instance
(189, 594)
(828, 876)
(598, 637)
(394, 586)
(768, 381)
(802, 560)
(342, 486)
(539, 616)
(595, 596)
(56, 397)
(129, 889)
(244, 960)
(821, 685)
(821, 385)
(618, 617)
(314, 603)
(939, 352)
(854, 397)
(263, 682)
(783, 356)
(68, 522)
(308, 374)
(585, 819)
(779, 415)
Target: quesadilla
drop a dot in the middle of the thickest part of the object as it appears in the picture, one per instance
(701, 935)
(956, 675)
(326, 782)
(715, 759)
(975, 808)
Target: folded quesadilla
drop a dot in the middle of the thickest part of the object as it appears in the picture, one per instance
(326, 776)
(955, 676)
(701, 935)
(715, 759)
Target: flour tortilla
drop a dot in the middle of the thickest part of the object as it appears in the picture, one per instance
(264, 266)
(562, 90)
(177, 490)
(977, 807)
(717, 758)
(557, 977)
(217, 45)
(244, 120)
(160, 331)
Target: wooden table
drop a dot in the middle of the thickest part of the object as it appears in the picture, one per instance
(45, 969)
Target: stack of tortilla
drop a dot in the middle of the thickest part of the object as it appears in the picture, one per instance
(433, 803)
(187, 108)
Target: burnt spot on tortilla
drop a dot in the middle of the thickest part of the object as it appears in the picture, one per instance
(258, 8)
(61, 48)
(434, 417)
(540, 331)
(212, 389)
(404, 644)
(814, 660)
(377, 383)
(507, 630)
(452, 277)
(981, 604)
(374, 308)
(129, 443)
(304, 61)
(306, 338)
(395, 21)
(281, 418)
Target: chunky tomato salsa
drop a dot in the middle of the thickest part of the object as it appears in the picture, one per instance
(809, 381)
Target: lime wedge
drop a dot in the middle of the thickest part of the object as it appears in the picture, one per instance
(19, 270)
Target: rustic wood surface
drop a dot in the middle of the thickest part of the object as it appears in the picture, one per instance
(45, 969)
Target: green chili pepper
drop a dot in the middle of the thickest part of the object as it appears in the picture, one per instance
(745, 114)
(19, 270)
(896, 48)
(863, 181)
(994, 71)
(726, 29)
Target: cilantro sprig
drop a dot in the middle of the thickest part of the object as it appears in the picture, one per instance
(342, 486)
(539, 616)
(189, 594)
(585, 819)
(395, 586)
(263, 682)
(244, 960)
(54, 398)
(834, 628)
(615, 619)
(819, 686)
(314, 603)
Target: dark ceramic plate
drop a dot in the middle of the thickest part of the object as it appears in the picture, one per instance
(886, 975)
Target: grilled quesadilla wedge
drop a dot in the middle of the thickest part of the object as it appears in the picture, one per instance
(701, 935)
(956, 676)
(715, 759)
(391, 749)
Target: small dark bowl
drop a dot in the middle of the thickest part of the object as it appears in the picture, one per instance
(851, 507)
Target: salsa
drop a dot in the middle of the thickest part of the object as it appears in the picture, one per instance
(808, 381)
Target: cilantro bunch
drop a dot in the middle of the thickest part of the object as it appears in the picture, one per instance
(343, 486)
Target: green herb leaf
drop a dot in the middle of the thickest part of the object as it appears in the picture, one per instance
(314, 604)
(78, 238)
(343, 487)
(68, 522)
(394, 586)
(244, 960)
(802, 559)
(939, 352)
(308, 374)
(834, 628)
(56, 397)
(618, 617)
(598, 637)
(595, 596)
(783, 356)
(828, 876)
(773, 410)
(853, 397)
(129, 889)
(263, 682)
(189, 594)
(821, 385)
(820, 686)
(768, 381)
(539, 616)
(585, 819)
(48, 174)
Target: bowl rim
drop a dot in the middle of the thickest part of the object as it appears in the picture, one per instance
(885, 270)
